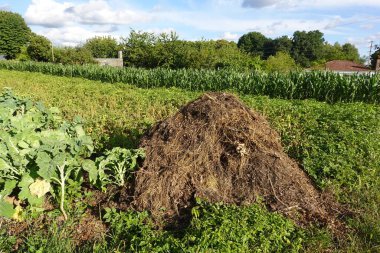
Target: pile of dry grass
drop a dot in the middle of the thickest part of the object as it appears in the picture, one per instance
(217, 149)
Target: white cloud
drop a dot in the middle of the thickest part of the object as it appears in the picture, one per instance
(268, 26)
(258, 3)
(367, 26)
(366, 41)
(308, 3)
(99, 12)
(51, 13)
(105, 28)
(70, 35)
(230, 36)
(229, 3)
(68, 23)
(158, 31)
(340, 3)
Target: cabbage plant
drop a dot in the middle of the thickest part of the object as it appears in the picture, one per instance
(38, 153)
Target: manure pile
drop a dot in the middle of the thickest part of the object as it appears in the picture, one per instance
(219, 150)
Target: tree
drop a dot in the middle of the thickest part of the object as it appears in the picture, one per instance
(164, 48)
(102, 47)
(269, 49)
(39, 48)
(332, 52)
(282, 44)
(307, 47)
(272, 47)
(253, 43)
(70, 55)
(351, 52)
(337, 52)
(23, 55)
(14, 33)
(139, 49)
(281, 62)
(149, 50)
(227, 55)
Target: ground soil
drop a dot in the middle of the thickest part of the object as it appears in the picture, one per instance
(217, 149)
(89, 229)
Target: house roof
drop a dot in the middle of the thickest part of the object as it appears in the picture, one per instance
(341, 65)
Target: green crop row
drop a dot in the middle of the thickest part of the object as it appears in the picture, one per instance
(322, 86)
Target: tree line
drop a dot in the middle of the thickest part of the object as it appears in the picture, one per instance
(306, 48)
(149, 50)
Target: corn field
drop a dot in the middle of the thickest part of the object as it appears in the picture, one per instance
(322, 86)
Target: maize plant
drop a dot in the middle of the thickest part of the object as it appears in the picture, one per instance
(322, 86)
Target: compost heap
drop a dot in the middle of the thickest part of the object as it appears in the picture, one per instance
(217, 149)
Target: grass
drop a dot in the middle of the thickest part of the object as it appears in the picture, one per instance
(337, 144)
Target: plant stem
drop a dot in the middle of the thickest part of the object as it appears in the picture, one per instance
(62, 201)
(62, 182)
(121, 171)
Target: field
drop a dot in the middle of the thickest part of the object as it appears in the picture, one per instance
(337, 144)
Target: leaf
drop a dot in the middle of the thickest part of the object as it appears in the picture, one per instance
(34, 142)
(34, 201)
(25, 193)
(24, 184)
(79, 130)
(60, 159)
(23, 144)
(3, 147)
(54, 110)
(90, 167)
(4, 164)
(17, 213)
(87, 141)
(6, 209)
(53, 136)
(46, 168)
(8, 188)
(39, 188)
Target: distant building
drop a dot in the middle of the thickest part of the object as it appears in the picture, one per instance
(2, 57)
(113, 62)
(347, 67)
(350, 67)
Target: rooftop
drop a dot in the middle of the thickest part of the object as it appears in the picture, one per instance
(342, 65)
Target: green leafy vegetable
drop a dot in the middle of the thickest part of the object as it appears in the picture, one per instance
(38, 150)
(117, 166)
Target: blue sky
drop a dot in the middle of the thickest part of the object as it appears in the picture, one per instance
(71, 22)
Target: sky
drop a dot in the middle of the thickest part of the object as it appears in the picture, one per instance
(72, 22)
